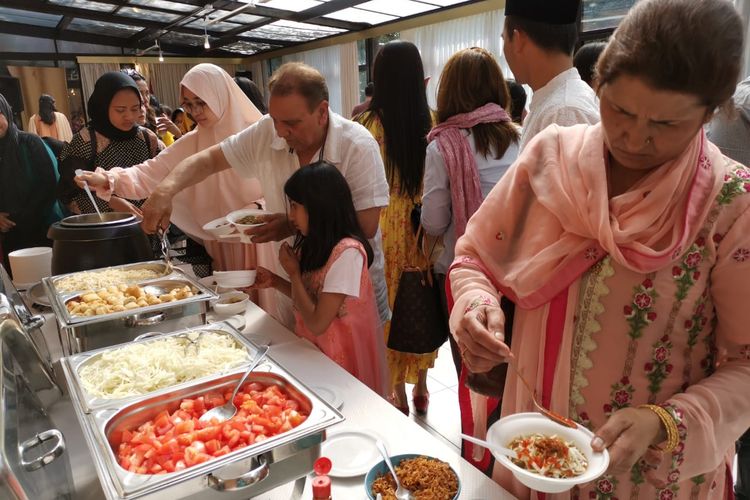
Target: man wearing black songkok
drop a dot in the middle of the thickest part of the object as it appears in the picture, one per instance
(538, 41)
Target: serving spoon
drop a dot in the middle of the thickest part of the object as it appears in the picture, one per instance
(490, 446)
(86, 188)
(401, 492)
(555, 417)
(228, 409)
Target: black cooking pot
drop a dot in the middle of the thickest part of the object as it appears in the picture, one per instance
(88, 241)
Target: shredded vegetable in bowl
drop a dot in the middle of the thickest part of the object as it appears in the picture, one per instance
(549, 456)
(146, 367)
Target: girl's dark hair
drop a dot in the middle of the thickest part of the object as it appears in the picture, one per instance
(176, 112)
(325, 194)
(585, 60)
(399, 100)
(252, 92)
(47, 109)
(687, 46)
(472, 78)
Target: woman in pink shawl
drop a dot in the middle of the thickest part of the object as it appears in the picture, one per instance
(220, 109)
(626, 248)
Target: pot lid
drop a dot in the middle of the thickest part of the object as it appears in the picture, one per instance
(95, 220)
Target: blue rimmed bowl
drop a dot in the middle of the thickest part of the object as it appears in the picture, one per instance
(381, 468)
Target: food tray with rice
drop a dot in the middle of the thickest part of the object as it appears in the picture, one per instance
(155, 363)
(109, 306)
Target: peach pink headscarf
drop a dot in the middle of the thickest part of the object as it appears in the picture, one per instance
(553, 218)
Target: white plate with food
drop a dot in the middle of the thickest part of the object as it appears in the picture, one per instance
(352, 453)
(247, 218)
(331, 394)
(528, 433)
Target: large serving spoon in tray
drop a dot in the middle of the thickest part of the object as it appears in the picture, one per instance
(228, 410)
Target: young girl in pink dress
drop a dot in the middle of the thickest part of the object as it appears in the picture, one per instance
(329, 284)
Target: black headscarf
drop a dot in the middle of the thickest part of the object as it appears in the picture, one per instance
(47, 109)
(27, 185)
(98, 105)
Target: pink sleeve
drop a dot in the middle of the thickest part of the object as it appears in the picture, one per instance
(716, 410)
(137, 182)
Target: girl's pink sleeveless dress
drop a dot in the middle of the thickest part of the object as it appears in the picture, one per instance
(353, 339)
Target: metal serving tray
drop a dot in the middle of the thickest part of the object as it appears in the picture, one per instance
(83, 333)
(90, 402)
(243, 473)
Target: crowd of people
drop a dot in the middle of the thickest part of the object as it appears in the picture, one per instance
(595, 239)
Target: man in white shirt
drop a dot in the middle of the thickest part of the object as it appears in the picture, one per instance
(538, 41)
(298, 130)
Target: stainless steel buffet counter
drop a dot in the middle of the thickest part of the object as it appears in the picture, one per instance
(364, 411)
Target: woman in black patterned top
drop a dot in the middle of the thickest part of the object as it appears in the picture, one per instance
(118, 141)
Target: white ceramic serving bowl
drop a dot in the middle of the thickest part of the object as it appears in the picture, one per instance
(231, 303)
(235, 216)
(219, 227)
(235, 279)
(508, 428)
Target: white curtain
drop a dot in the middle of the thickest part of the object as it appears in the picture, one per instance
(743, 6)
(338, 64)
(261, 76)
(438, 42)
(90, 73)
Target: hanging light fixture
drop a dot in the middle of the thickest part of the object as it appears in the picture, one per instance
(206, 43)
(161, 54)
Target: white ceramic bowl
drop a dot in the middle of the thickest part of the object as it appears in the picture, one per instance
(219, 227)
(235, 279)
(231, 303)
(237, 215)
(508, 428)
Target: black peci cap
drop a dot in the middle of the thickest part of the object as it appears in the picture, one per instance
(544, 11)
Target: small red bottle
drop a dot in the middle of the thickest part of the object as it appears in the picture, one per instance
(321, 484)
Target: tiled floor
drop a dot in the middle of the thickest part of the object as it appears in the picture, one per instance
(443, 416)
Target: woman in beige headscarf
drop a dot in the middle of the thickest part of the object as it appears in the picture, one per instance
(220, 109)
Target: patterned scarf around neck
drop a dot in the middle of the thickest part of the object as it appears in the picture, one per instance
(466, 193)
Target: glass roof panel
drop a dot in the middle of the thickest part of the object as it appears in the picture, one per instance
(165, 4)
(247, 48)
(220, 26)
(444, 3)
(602, 14)
(101, 27)
(27, 17)
(148, 15)
(292, 5)
(355, 15)
(182, 38)
(402, 8)
(85, 4)
(243, 18)
(292, 31)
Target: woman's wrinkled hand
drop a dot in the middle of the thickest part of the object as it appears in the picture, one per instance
(156, 211)
(5, 223)
(480, 337)
(275, 228)
(627, 436)
(95, 180)
(289, 260)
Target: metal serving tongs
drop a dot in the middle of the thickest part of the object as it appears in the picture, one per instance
(162, 233)
(555, 417)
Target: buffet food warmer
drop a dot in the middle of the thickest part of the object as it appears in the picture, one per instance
(242, 473)
(81, 329)
(34, 463)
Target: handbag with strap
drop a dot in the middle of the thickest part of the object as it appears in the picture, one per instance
(419, 325)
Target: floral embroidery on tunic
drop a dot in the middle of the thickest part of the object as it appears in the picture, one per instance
(605, 488)
(741, 254)
(590, 307)
(678, 456)
(694, 326)
(735, 183)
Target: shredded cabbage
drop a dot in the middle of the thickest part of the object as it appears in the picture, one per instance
(146, 367)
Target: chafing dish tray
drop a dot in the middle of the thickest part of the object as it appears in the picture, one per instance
(243, 473)
(192, 337)
(82, 333)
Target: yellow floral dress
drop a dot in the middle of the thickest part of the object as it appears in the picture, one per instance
(398, 246)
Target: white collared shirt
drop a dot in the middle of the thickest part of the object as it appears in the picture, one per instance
(566, 100)
(259, 152)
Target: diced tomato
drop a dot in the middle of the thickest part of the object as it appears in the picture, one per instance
(127, 436)
(208, 433)
(213, 446)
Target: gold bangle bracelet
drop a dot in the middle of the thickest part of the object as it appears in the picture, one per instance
(673, 434)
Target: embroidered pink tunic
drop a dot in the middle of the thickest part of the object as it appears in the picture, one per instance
(648, 304)
(352, 339)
